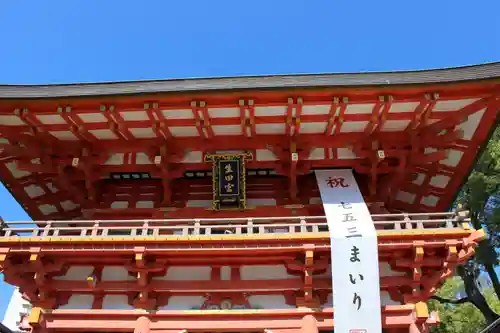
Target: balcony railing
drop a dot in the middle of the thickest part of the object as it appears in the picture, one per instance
(223, 227)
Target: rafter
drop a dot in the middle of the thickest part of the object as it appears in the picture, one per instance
(116, 122)
(202, 119)
(334, 116)
(105, 170)
(293, 112)
(379, 115)
(64, 182)
(35, 134)
(33, 149)
(247, 116)
(422, 112)
(156, 117)
(161, 161)
(76, 125)
(456, 119)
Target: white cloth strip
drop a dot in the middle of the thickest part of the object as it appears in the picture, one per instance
(354, 250)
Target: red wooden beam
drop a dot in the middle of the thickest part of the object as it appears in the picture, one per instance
(422, 112)
(456, 119)
(279, 321)
(462, 169)
(223, 98)
(200, 287)
(116, 123)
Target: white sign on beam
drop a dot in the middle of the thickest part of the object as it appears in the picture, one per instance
(354, 249)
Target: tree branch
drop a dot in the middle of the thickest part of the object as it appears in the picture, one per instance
(451, 301)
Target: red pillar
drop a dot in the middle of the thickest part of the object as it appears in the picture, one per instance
(418, 328)
(142, 325)
(309, 324)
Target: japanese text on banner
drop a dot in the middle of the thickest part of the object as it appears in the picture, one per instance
(355, 275)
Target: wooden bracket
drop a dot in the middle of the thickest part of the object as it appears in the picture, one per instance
(309, 258)
(35, 317)
(421, 312)
(309, 301)
(4, 252)
(417, 273)
(40, 278)
(145, 300)
(418, 251)
(308, 276)
(452, 255)
(140, 256)
(139, 259)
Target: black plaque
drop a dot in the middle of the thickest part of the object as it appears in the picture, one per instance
(228, 173)
(229, 178)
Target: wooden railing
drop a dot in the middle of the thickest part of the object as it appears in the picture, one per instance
(226, 226)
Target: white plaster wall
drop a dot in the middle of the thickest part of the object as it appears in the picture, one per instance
(440, 181)
(84, 302)
(268, 302)
(225, 273)
(268, 272)
(109, 273)
(120, 302)
(261, 202)
(385, 299)
(265, 272)
(183, 303)
(197, 273)
(199, 203)
(384, 270)
(264, 155)
(116, 273)
(470, 125)
(17, 305)
(454, 157)
(78, 302)
(76, 273)
(116, 302)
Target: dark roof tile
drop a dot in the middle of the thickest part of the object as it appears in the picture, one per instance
(446, 75)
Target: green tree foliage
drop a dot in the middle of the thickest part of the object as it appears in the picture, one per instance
(481, 195)
(464, 317)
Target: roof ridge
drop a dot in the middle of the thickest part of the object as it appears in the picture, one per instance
(432, 76)
(263, 76)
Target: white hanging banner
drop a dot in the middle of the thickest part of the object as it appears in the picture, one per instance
(355, 267)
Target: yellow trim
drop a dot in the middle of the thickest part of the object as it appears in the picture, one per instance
(421, 310)
(35, 316)
(424, 232)
(225, 312)
(481, 233)
(194, 238)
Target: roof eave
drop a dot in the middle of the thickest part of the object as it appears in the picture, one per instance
(489, 71)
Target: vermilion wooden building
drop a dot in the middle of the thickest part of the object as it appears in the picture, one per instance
(130, 235)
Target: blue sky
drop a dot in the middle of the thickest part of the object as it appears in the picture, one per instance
(93, 40)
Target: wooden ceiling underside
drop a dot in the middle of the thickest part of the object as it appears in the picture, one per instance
(412, 147)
